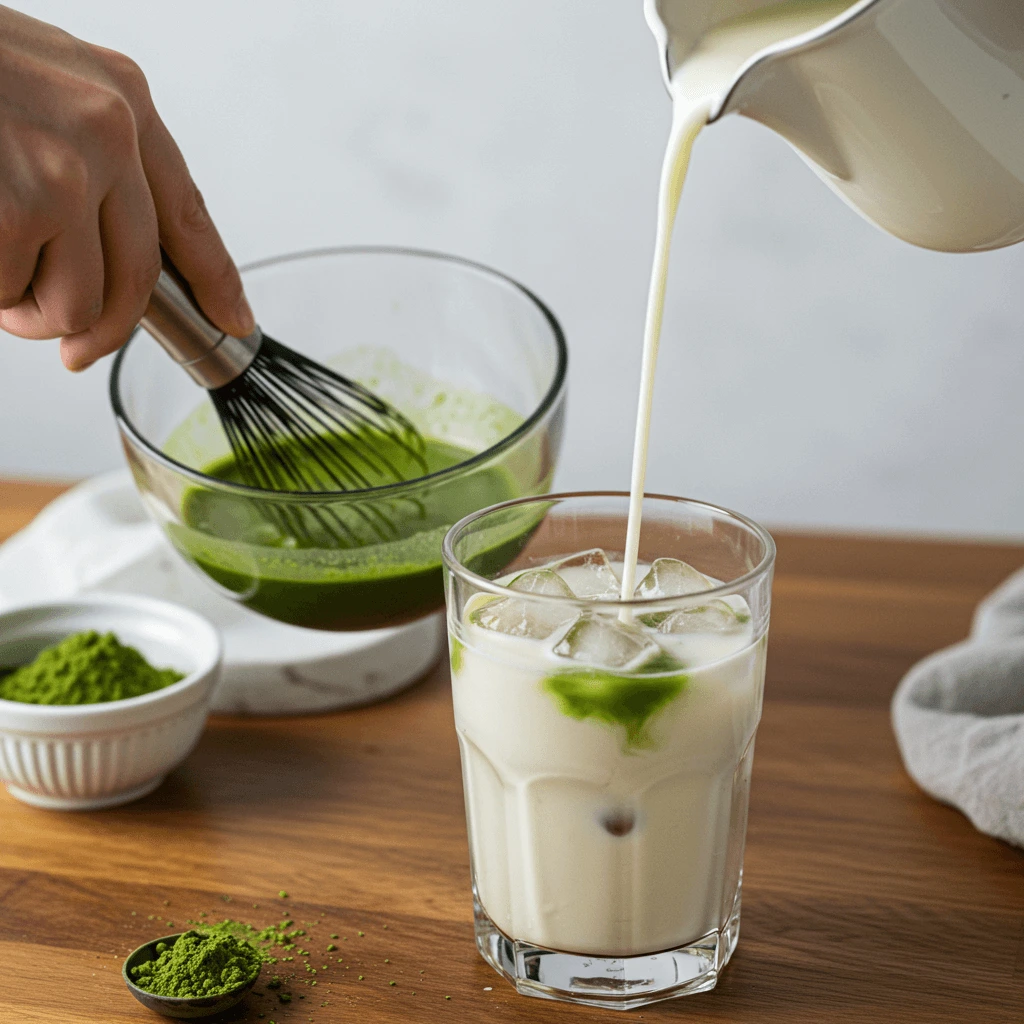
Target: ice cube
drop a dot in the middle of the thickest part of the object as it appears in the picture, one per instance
(590, 575)
(714, 617)
(541, 581)
(607, 643)
(668, 577)
(533, 620)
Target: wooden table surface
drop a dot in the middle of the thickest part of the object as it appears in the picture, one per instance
(863, 900)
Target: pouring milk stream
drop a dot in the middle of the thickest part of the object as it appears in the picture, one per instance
(695, 86)
(911, 110)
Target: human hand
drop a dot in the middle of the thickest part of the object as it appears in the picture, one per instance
(91, 186)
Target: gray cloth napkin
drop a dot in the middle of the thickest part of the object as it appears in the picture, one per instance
(959, 718)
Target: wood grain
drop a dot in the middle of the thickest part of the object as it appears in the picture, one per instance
(864, 900)
(20, 500)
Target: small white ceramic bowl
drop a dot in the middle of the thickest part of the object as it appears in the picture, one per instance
(86, 756)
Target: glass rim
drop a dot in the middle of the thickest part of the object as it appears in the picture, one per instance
(550, 398)
(453, 565)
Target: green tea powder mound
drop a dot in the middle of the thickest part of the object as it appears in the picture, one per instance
(87, 668)
(199, 965)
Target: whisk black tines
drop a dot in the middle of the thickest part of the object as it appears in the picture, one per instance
(296, 425)
(286, 405)
(292, 423)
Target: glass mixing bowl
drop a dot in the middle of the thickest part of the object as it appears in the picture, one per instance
(475, 360)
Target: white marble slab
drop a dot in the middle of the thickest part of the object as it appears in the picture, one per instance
(97, 538)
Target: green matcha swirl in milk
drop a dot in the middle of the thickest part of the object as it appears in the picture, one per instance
(697, 85)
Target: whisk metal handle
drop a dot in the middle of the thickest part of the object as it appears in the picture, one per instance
(211, 357)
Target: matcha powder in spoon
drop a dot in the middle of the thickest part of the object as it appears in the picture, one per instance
(86, 668)
(198, 965)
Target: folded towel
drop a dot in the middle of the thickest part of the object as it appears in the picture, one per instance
(959, 718)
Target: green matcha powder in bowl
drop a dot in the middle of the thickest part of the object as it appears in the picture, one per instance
(85, 668)
(472, 358)
(102, 696)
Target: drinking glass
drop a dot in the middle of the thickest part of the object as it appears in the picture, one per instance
(607, 745)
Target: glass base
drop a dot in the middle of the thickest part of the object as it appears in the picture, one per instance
(616, 983)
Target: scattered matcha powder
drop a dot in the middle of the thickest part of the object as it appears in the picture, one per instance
(86, 668)
(273, 935)
(260, 941)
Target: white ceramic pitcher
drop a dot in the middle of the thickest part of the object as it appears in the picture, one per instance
(911, 110)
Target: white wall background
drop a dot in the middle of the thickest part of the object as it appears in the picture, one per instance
(815, 371)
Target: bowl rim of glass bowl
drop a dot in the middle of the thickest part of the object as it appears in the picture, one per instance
(153, 608)
(551, 396)
(763, 567)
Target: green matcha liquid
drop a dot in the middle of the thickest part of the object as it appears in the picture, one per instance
(349, 564)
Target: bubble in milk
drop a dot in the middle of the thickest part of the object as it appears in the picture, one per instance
(590, 575)
(618, 822)
(605, 642)
(714, 617)
(532, 620)
(669, 577)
